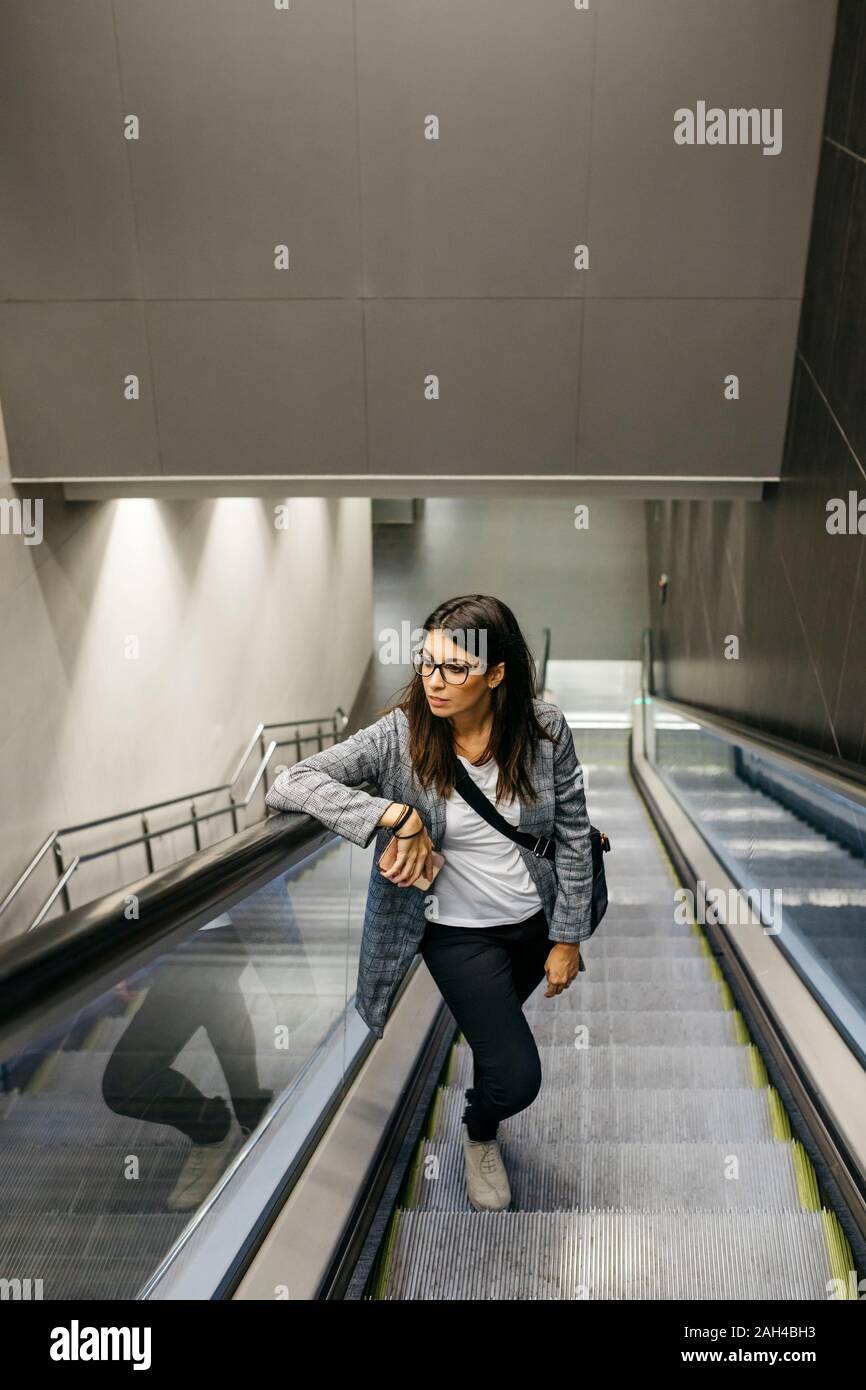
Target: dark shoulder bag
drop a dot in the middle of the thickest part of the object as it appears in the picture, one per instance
(545, 849)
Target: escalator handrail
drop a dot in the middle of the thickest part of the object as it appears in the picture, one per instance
(42, 969)
(837, 774)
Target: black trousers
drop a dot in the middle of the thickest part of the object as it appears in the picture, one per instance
(197, 986)
(484, 975)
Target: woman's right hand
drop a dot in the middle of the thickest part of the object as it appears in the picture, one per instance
(412, 854)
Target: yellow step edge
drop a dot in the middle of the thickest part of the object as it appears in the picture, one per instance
(760, 1078)
(416, 1163)
(779, 1121)
(840, 1256)
(428, 1129)
(716, 973)
(380, 1282)
(806, 1178)
(432, 1118)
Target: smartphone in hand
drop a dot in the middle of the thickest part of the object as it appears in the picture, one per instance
(435, 860)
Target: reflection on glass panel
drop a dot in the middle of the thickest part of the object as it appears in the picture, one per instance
(797, 848)
(117, 1126)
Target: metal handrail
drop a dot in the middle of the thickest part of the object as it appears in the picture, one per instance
(337, 720)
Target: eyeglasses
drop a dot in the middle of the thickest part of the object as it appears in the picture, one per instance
(453, 672)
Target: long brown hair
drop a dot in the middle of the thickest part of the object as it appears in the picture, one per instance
(515, 729)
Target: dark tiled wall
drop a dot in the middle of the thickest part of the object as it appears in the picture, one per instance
(769, 572)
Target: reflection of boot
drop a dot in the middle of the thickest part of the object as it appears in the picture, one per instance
(204, 1166)
(250, 1112)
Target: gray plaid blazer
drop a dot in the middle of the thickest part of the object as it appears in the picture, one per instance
(326, 786)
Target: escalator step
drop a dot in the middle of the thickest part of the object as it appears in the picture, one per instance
(674, 1176)
(626, 1026)
(745, 1254)
(617, 1114)
(631, 1066)
(639, 995)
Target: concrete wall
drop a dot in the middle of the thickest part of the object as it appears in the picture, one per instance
(310, 127)
(587, 586)
(236, 621)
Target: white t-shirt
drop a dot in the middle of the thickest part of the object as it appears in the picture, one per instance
(484, 881)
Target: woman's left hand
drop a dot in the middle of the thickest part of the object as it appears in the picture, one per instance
(561, 966)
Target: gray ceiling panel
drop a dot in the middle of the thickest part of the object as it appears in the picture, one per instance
(62, 371)
(496, 205)
(305, 126)
(652, 389)
(248, 141)
(251, 388)
(669, 219)
(66, 226)
(508, 373)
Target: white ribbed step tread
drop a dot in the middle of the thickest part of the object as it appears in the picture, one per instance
(632, 922)
(715, 1255)
(649, 1027)
(674, 1176)
(630, 1066)
(676, 948)
(675, 972)
(653, 1116)
(601, 993)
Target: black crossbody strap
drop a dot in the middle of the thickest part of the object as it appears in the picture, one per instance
(469, 789)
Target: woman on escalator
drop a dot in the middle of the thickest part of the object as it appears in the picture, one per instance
(498, 915)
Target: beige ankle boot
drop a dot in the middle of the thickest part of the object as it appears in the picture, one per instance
(486, 1179)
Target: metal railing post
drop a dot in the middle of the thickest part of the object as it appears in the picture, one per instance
(545, 655)
(646, 665)
(148, 847)
(337, 720)
(61, 872)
